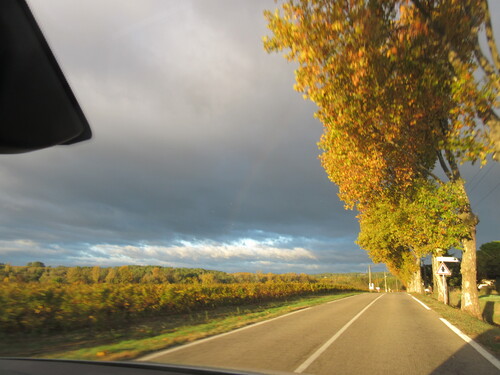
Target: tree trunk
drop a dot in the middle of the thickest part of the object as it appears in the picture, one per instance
(437, 284)
(415, 284)
(470, 298)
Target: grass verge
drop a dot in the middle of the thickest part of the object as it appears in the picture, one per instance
(154, 334)
(488, 335)
(488, 303)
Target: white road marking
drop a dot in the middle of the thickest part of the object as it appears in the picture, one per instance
(423, 304)
(325, 346)
(171, 350)
(495, 362)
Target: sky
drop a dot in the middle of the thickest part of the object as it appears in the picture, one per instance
(202, 154)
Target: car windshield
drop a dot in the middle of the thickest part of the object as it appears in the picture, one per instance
(198, 227)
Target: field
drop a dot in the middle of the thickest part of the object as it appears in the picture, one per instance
(40, 300)
(121, 312)
(33, 308)
(151, 334)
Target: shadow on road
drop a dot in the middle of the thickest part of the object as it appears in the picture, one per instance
(464, 360)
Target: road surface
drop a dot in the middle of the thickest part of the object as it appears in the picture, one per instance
(365, 334)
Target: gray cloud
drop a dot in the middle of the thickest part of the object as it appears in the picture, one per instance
(199, 139)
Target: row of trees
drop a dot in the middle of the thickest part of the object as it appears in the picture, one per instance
(488, 268)
(38, 272)
(403, 89)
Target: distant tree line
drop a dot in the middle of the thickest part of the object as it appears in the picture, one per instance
(131, 274)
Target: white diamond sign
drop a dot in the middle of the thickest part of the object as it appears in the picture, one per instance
(443, 270)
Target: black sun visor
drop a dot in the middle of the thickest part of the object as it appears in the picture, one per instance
(37, 107)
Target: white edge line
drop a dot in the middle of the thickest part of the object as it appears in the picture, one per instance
(325, 346)
(495, 362)
(151, 356)
(423, 304)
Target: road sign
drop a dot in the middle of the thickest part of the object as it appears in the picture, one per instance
(443, 270)
(448, 259)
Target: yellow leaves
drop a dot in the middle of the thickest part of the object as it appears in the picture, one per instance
(401, 36)
(403, 11)
(337, 26)
(392, 51)
(381, 83)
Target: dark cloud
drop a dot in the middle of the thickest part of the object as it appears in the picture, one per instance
(201, 147)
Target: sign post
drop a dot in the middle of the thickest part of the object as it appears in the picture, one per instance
(444, 271)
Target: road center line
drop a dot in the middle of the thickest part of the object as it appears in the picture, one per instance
(423, 304)
(495, 362)
(325, 346)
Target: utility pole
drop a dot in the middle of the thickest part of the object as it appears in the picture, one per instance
(385, 282)
(370, 278)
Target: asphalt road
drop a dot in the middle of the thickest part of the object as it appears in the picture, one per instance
(365, 334)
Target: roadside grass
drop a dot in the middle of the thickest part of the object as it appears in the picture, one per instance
(488, 302)
(153, 334)
(488, 335)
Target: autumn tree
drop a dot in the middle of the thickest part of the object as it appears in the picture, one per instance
(125, 275)
(35, 264)
(379, 236)
(76, 275)
(156, 276)
(394, 82)
(111, 276)
(96, 274)
(399, 232)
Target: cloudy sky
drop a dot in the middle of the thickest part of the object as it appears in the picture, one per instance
(202, 155)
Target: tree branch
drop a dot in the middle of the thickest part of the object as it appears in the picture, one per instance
(486, 66)
(491, 119)
(455, 171)
(490, 36)
(442, 162)
(453, 56)
(435, 177)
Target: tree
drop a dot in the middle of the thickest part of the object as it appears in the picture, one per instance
(111, 276)
(395, 89)
(488, 260)
(76, 275)
(96, 274)
(400, 232)
(124, 274)
(35, 264)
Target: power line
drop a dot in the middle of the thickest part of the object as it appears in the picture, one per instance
(487, 195)
(475, 175)
(482, 177)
